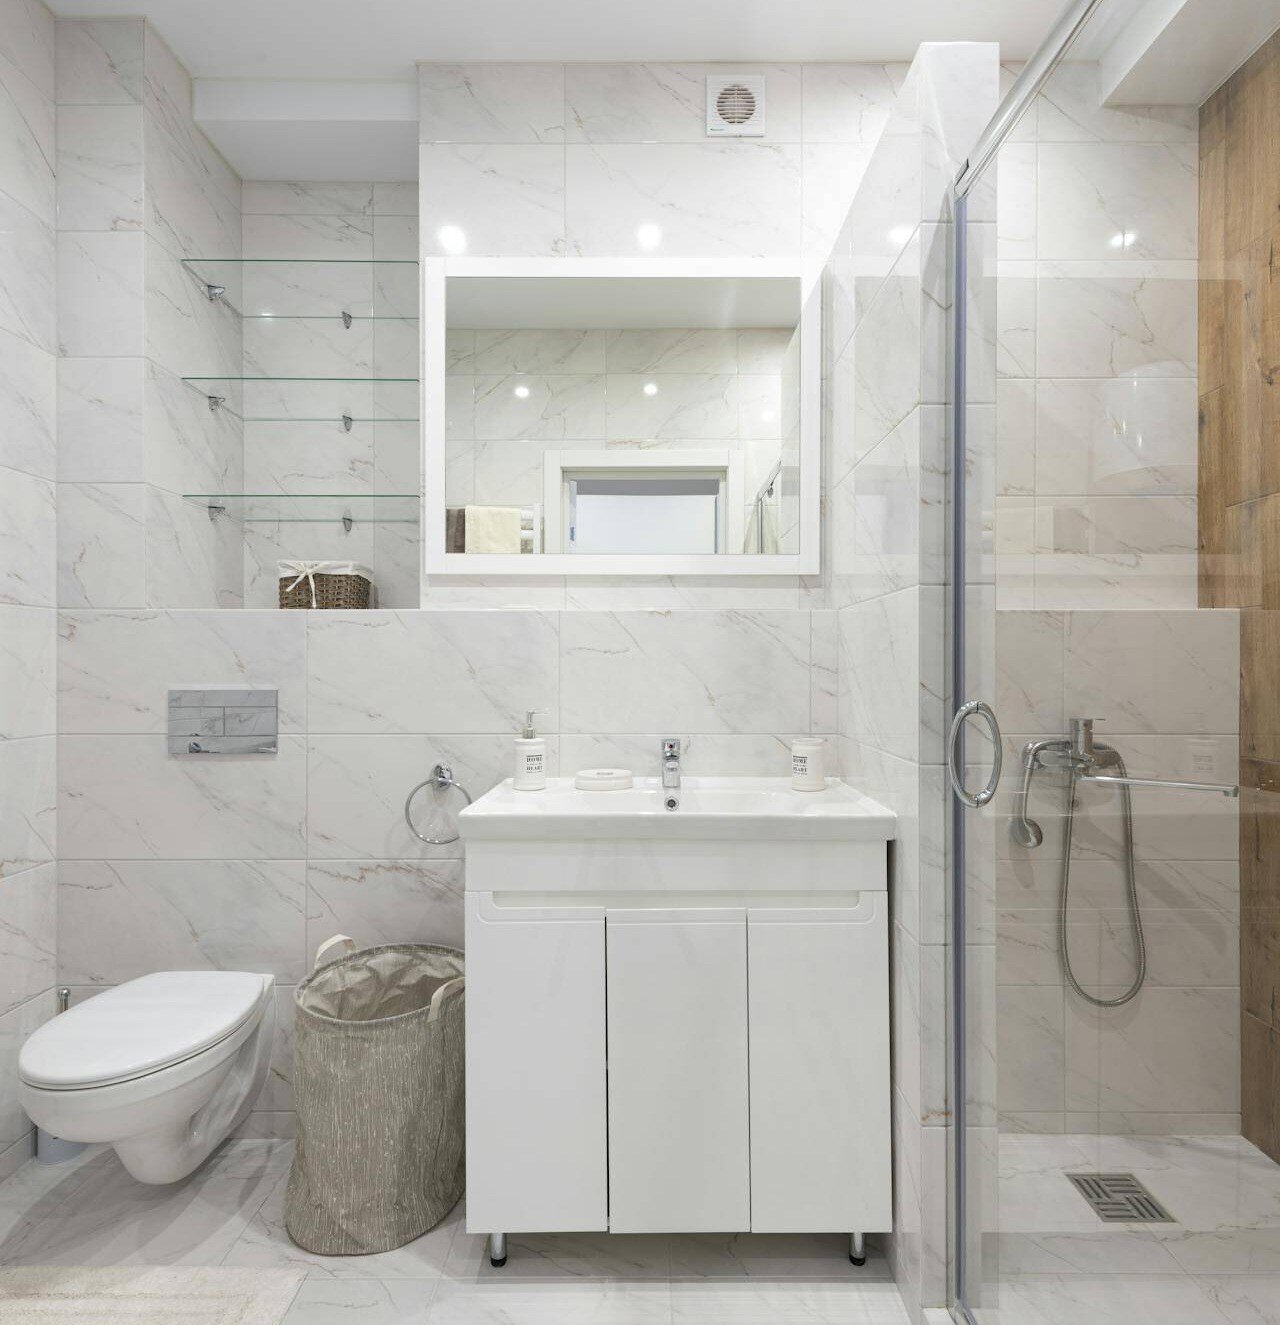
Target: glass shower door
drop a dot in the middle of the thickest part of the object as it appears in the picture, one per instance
(1113, 898)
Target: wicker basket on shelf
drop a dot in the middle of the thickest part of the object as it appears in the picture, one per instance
(328, 585)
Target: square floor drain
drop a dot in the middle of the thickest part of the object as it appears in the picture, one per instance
(1120, 1198)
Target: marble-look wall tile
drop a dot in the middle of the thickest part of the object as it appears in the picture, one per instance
(100, 168)
(502, 353)
(481, 199)
(309, 237)
(125, 918)
(28, 422)
(356, 786)
(846, 103)
(491, 103)
(102, 538)
(386, 901)
(192, 201)
(188, 446)
(1097, 200)
(701, 755)
(27, 935)
(1071, 110)
(432, 673)
(615, 194)
(28, 803)
(27, 138)
(15, 1026)
(115, 669)
(544, 408)
(28, 688)
(185, 333)
(100, 294)
(1119, 436)
(1115, 319)
(1157, 672)
(123, 797)
(279, 198)
(27, 41)
(28, 263)
(99, 62)
(192, 561)
(27, 551)
(666, 103)
(694, 671)
(100, 420)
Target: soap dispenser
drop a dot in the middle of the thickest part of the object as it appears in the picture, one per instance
(531, 756)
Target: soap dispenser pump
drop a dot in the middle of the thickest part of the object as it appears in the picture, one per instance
(531, 756)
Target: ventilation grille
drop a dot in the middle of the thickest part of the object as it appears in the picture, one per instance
(1120, 1198)
(735, 106)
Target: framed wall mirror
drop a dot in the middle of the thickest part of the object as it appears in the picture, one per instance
(598, 416)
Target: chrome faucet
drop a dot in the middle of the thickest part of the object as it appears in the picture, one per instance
(671, 773)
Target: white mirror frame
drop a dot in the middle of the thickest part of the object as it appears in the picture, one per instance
(436, 561)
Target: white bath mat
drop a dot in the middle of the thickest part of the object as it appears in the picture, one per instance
(123, 1295)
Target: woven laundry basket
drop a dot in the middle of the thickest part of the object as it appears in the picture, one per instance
(378, 1086)
(325, 584)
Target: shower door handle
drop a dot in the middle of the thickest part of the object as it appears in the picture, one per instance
(975, 800)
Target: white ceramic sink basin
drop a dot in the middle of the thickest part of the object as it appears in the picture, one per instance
(736, 809)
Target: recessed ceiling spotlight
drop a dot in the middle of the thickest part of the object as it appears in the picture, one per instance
(649, 236)
(522, 391)
(651, 388)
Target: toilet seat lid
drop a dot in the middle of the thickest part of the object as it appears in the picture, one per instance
(139, 1027)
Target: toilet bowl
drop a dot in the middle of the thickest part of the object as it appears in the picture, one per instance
(162, 1068)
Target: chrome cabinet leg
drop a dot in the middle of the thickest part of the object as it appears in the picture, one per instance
(857, 1248)
(497, 1249)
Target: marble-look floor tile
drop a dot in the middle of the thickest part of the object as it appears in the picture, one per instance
(101, 1215)
(533, 1303)
(1107, 1300)
(264, 1241)
(563, 1257)
(773, 1304)
(770, 1256)
(1246, 1299)
(362, 1301)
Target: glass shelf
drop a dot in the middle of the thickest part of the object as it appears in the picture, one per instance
(346, 508)
(353, 289)
(345, 400)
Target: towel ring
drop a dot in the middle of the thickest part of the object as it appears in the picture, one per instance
(441, 779)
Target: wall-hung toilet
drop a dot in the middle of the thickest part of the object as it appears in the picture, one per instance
(161, 1068)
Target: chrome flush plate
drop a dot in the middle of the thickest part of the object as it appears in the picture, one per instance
(218, 721)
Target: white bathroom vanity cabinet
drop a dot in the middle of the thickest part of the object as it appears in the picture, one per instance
(677, 1021)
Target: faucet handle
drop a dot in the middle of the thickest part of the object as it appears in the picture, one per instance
(671, 747)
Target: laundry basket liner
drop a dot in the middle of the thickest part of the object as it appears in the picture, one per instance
(378, 1085)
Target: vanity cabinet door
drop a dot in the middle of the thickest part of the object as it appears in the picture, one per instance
(819, 1014)
(678, 1124)
(536, 1127)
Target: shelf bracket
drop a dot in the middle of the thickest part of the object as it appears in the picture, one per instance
(347, 422)
(347, 522)
(214, 292)
(216, 402)
(216, 509)
(346, 319)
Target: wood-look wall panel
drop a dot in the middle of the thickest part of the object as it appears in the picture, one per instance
(1238, 492)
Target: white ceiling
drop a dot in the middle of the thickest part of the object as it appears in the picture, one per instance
(373, 39)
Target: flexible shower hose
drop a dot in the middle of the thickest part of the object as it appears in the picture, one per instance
(1135, 913)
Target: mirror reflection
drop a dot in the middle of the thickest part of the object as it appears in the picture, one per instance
(622, 416)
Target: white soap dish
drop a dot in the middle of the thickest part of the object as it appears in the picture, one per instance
(603, 779)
